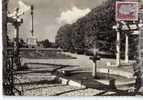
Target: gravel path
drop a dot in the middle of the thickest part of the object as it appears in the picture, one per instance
(44, 84)
(85, 64)
(47, 89)
(38, 81)
(84, 92)
(31, 87)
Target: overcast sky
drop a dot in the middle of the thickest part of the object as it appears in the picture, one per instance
(49, 15)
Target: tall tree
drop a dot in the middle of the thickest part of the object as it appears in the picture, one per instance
(63, 38)
(95, 29)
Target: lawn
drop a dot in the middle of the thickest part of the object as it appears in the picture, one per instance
(47, 54)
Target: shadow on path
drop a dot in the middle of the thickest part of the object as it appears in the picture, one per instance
(38, 82)
(44, 87)
(68, 91)
(101, 93)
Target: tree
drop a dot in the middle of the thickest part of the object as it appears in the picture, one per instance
(46, 43)
(94, 29)
(63, 38)
(22, 43)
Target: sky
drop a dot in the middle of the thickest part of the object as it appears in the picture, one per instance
(50, 15)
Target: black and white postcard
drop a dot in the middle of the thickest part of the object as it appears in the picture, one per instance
(72, 47)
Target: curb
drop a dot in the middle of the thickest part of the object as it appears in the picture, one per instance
(106, 82)
(117, 83)
(71, 83)
(116, 72)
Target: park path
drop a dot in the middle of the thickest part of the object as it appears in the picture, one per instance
(82, 61)
(86, 64)
(38, 81)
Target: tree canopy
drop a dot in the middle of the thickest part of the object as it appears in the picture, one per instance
(93, 30)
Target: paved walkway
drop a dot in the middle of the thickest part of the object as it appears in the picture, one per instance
(123, 76)
(38, 80)
(86, 64)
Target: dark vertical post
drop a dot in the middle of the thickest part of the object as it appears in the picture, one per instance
(4, 37)
(7, 60)
(32, 15)
(17, 24)
(17, 34)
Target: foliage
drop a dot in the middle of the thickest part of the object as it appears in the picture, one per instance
(45, 43)
(22, 43)
(93, 30)
(63, 38)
